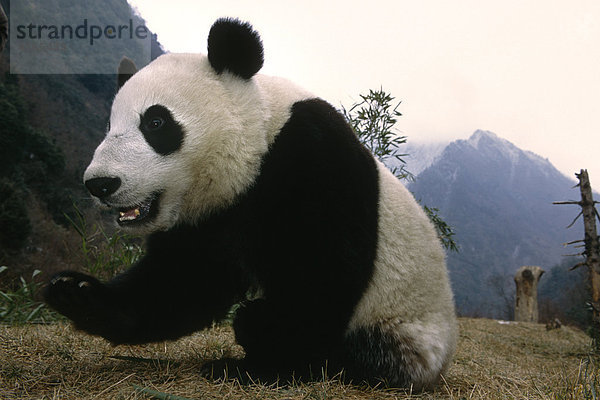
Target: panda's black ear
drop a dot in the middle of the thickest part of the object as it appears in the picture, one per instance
(126, 70)
(234, 46)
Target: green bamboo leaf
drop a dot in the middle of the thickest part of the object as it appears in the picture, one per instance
(34, 313)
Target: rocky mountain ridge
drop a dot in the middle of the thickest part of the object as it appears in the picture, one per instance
(498, 198)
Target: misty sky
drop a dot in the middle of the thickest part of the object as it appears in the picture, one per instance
(527, 70)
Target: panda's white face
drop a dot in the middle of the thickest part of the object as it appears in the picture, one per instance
(183, 142)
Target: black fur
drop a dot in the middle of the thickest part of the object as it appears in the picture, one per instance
(160, 130)
(306, 233)
(380, 357)
(234, 46)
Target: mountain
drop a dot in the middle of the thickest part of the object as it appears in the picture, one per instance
(422, 155)
(498, 199)
(51, 125)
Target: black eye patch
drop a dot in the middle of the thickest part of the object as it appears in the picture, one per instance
(160, 130)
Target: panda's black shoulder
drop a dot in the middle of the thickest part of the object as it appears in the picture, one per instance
(317, 161)
(318, 131)
(318, 191)
(318, 114)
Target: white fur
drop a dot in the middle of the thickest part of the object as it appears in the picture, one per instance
(409, 296)
(228, 122)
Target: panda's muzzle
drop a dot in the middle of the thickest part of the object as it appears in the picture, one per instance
(141, 213)
(104, 187)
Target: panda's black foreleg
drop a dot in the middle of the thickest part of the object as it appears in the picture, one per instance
(147, 303)
(254, 331)
(283, 344)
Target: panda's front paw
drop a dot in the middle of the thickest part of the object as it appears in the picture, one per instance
(77, 296)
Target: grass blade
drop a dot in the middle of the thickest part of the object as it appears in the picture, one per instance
(157, 395)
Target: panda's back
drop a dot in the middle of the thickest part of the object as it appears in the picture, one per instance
(407, 311)
(410, 265)
(339, 225)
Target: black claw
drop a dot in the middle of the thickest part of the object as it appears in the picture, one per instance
(74, 295)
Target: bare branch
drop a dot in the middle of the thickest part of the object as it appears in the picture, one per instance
(581, 264)
(573, 242)
(574, 255)
(596, 212)
(575, 220)
(567, 202)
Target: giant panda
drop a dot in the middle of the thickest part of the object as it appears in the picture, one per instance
(248, 183)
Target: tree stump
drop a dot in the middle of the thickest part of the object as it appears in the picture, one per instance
(526, 304)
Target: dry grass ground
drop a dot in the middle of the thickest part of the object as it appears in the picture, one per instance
(493, 361)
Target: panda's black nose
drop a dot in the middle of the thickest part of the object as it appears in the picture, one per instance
(102, 187)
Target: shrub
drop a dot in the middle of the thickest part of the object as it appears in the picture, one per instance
(13, 218)
(373, 121)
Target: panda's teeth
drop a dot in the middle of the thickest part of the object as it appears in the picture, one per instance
(129, 215)
(138, 213)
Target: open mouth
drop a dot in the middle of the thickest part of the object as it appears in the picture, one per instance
(142, 213)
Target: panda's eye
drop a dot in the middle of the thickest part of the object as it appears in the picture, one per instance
(155, 123)
(162, 132)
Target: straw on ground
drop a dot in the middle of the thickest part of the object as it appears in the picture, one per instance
(493, 361)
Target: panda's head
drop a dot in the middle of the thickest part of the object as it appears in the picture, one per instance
(186, 133)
